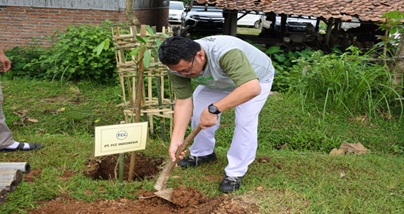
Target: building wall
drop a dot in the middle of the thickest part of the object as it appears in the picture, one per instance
(76, 4)
(24, 25)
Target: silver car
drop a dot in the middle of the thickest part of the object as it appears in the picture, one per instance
(202, 19)
(175, 11)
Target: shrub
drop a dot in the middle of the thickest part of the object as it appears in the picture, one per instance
(283, 62)
(72, 56)
(20, 57)
(346, 82)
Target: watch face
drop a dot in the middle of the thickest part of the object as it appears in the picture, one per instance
(213, 109)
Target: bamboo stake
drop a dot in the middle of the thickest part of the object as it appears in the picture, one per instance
(139, 96)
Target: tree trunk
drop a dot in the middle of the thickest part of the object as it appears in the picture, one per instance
(397, 67)
(328, 32)
(132, 20)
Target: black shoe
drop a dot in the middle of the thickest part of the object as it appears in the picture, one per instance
(20, 147)
(196, 161)
(230, 184)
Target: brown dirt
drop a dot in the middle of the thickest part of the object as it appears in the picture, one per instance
(106, 167)
(184, 199)
(147, 203)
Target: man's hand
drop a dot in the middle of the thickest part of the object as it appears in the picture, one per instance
(207, 119)
(5, 62)
(173, 149)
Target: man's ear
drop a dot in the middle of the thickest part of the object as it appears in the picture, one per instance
(201, 54)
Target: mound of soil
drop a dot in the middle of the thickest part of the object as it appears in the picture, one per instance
(183, 199)
(148, 203)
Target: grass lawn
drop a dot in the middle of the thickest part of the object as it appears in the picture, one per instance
(248, 30)
(301, 178)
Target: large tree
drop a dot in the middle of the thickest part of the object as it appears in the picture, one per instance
(130, 17)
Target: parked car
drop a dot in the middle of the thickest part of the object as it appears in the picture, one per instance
(296, 23)
(354, 23)
(202, 19)
(299, 23)
(251, 19)
(175, 11)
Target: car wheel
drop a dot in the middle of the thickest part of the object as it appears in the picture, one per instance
(257, 24)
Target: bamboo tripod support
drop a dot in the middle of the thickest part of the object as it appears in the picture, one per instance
(137, 101)
(157, 99)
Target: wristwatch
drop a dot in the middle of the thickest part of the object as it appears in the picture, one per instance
(213, 109)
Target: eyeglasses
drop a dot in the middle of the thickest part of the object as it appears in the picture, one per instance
(185, 71)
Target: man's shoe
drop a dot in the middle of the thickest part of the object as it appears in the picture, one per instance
(197, 160)
(23, 147)
(230, 184)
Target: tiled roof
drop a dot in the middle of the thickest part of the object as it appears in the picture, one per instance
(365, 10)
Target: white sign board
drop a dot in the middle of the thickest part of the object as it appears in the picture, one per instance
(121, 138)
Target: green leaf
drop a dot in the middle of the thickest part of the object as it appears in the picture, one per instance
(104, 45)
(273, 49)
(158, 42)
(149, 30)
(141, 39)
(107, 44)
(146, 58)
(394, 15)
(99, 48)
(280, 58)
(135, 51)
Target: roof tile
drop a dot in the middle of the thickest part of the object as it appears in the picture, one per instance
(365, 10)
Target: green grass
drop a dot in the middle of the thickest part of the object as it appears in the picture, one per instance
(303, 178)
(248, 31)
(343, 82)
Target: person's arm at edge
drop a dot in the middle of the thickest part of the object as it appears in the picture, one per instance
(241, 94)
(182, 116)
(5, 62)
(248, 85)
(237, 66)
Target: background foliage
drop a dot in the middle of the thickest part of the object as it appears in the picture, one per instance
(319, 102)
(70, 58)
(343, 81)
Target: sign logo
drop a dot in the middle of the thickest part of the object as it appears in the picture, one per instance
(121, 135)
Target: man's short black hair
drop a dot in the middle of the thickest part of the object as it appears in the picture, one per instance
(175, 48)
